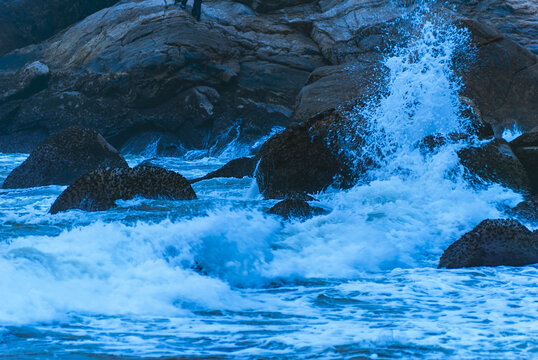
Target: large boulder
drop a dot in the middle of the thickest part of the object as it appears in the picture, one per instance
(24, 22)
(236, 168)
(63, 158)
(493, 243)
(99, 189)
(526, 149)
(309, 157)
(295, 208)
(495, 162)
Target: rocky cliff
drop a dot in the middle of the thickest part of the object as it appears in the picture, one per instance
(139, 72)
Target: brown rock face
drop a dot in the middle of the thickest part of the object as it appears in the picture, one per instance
(99, 189)
(493, 243)
(495, 162)
(63, 158)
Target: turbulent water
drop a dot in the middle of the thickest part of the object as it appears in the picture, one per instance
(218, 278)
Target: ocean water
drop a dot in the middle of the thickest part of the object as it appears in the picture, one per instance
(218, 278)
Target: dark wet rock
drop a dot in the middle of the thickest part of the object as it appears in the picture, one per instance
(526, 149)
(236, 168)
(24, 22)
(28, 81)
(517, 19)
(288, 195)
(308, 157)
(493, 243)
(99, 189)
(526, 210)
(495, 162)
(502, 79)
(136, 69)
(331, 86)
(295, 208)
(432, 143)
(63, 158)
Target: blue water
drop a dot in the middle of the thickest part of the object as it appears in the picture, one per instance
(219, 278)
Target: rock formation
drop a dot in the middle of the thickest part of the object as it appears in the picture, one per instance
(99, 189)
(495, 162)
(236, 168)
(63, 158)
(493, 243)
(137, 72)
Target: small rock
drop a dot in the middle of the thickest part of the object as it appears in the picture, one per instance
(493, 243)
(63, 158)
(495, 162)
(99, 189)
(236, 168)
(295, 208)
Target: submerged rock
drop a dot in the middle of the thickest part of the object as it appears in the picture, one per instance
(493, 243)
(295, 208)
(99, 189)
(236, 168)
(526, 149)
(495, 162)
(63, 158)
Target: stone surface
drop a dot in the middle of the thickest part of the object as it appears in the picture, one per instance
(502, 79)
(295, 208)
(28, 81)
(236, 168)
(331, 86)
(495, 162)
(63, 158)
(518, 19)
(493, 243)
(526, 149)
(137, 68)
(98, 190)
(308, 157)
